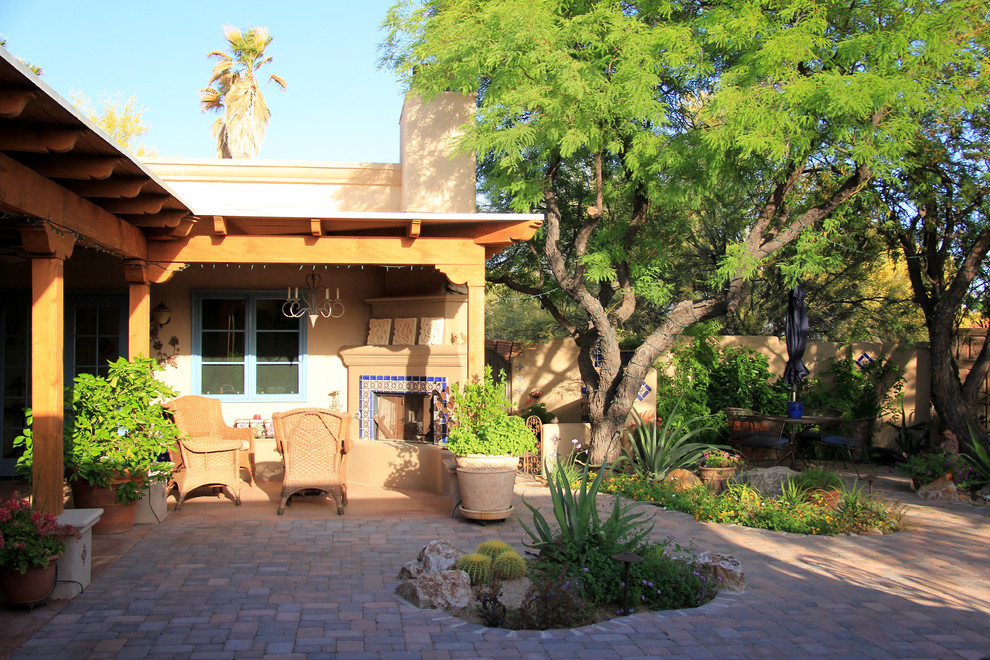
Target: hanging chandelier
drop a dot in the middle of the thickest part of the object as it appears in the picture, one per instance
(314, 301)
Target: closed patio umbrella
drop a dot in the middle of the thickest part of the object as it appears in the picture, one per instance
(796, 336)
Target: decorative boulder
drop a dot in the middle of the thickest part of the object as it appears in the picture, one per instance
(940, 490)
(767, 481)
(682, 480)
(411, 570)
(439, 556)
(445, 590)
(725, 570)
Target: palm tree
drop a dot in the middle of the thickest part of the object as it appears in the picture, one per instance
(234, 89)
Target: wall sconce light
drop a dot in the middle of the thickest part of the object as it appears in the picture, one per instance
(161, 315)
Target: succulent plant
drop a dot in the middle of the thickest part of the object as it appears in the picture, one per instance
(493, 548)
(509, 566)
(477, 566)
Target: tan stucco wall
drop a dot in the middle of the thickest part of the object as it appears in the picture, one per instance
(552, 369)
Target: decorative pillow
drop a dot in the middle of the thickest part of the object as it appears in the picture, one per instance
(379, 331)
(405, 332)
(431, 330)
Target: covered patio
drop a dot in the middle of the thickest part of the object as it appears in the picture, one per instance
(87, 226)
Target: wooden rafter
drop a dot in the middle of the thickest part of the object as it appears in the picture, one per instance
(40, 138)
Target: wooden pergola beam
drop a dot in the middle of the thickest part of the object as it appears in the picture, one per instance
(41, 138)
(25, 192)
(324, 250)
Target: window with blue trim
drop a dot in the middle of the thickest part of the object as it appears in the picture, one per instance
(245, 347)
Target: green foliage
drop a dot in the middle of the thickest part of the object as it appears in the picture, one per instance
(116, 427)
(792, 493)
(493, 548)
(926, 467)
(477, 566)
(509, 566)
(818, 479)
(554, 601)
(681, 151)
(911, 439)
(708, 377)
(482, 423)
(578, 524)
(491, 609)
(978, 459)
(538, 409)
(718, 458)
(656, 450)
(854, 391)
(570, 468)
(29, 538)
(501, 436)
(741, 505)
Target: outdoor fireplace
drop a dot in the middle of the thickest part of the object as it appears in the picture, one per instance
(397, 384)
(399, 407)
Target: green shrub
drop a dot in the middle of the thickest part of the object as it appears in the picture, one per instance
(740, 505)
(554, 601)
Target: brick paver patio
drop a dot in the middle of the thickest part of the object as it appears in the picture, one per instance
(207, 583)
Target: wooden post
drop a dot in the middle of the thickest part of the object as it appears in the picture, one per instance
(139, 320)
(49, 250)
(476, 330)
(47, 383)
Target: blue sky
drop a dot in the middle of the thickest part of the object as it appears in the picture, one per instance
(338, 106)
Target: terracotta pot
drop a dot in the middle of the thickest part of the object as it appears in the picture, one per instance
(117, 518)
(486, 485)
(30, 588)
(716, 477)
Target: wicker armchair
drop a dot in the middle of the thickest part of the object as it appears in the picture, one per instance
(206, 462)
(314, 445)
(199, 417)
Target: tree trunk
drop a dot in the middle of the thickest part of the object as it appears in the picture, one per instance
(955, 412)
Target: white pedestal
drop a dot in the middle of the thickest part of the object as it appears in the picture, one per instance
(151, 508)
(74, 568)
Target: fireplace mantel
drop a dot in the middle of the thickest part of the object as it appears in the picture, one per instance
(401, 357)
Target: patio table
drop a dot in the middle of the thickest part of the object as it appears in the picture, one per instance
(795, 424)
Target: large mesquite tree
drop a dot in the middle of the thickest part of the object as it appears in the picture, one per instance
(676, 147)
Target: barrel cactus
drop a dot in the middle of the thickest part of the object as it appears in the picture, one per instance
(509, 566)
(477, 566)
(493, 548)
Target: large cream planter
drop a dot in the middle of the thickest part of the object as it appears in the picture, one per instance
(486, 484)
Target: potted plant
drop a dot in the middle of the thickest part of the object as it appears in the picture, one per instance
(116, 440)
(487, 442)
(717, 466)
(30, 543)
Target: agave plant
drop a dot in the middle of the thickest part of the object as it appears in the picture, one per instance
(576, 514)
(656, 450)
(978, 459)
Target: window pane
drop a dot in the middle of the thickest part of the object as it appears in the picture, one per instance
(270, 317)
(109, 320)
(107, 351)
(223, 346)
(85, 351)
(15, 351)
(277, 347)
(223, 314)
(16, 320)
(278, 379)
(223, 379)
(86, 320)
